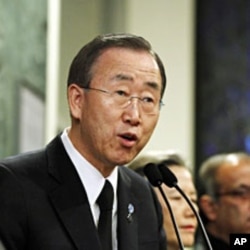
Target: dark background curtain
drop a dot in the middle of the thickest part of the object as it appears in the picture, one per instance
(222, 77)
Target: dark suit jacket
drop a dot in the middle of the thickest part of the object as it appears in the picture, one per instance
(43, 205)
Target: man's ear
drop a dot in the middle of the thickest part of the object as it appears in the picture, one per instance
(75, 100)
(208, 207)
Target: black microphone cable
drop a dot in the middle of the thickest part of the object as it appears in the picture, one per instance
(170, 180)
(154, 176)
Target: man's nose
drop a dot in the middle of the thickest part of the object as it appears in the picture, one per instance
(132, 113)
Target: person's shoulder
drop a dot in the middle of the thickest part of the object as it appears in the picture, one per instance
(137, 181)
(29, 158)
(25, 165)
(131, 173)
(22, 158)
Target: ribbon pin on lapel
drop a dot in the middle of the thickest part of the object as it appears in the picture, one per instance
(131, 210)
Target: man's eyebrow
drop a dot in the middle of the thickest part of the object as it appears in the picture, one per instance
(153, 85)
(243, 186)
(123, 77)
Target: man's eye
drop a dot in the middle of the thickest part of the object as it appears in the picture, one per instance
(148, 99)
(121, 93)
(239, 192)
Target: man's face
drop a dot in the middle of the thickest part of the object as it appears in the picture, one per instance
(111, 134)
(233, 205)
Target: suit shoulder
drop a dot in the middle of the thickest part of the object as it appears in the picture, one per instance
(137, 181)
(30, 159)
(23, 160)
(132, 174)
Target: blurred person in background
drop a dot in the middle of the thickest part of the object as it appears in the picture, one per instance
(225, 199)
(185, 218)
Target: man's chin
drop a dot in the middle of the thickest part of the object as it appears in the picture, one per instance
(125, 159)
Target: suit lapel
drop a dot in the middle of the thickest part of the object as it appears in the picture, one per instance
(70, 200)
(127, 219)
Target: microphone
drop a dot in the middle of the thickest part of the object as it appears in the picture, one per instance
(155, 178)
(170, 180)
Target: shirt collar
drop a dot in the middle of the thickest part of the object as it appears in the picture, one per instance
(91, 178)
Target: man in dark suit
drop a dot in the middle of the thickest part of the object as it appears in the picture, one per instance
(48, 198)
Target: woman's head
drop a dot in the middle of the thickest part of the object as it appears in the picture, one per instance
(184, 216)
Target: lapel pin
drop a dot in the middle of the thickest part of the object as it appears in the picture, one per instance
(131, 210)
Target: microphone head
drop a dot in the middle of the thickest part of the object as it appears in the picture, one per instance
(153, 174)
(168, 176)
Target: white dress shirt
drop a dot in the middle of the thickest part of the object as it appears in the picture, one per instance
(93, 182)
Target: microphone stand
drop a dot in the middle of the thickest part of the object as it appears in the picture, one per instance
(171, 181)
(155, 178)
(196, 215)
(172, 218)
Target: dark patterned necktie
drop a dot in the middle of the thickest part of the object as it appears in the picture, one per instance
(105, 202)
